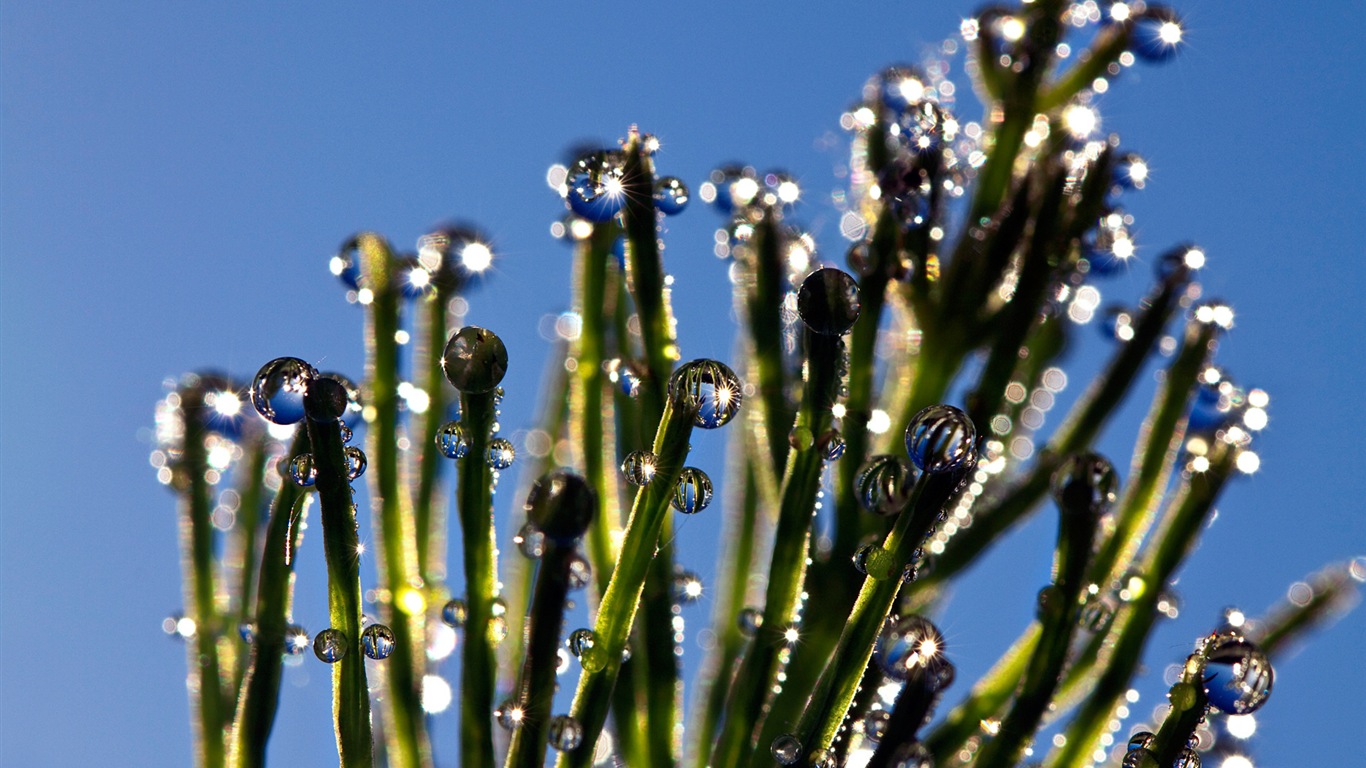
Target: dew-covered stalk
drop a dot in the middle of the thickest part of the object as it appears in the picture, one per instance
(341, 548)
(406, 734)
(251, 492)
(1084, 488)
(829, 305)
(475, 361)
(431, 336)
(207, 698)
(260, 691)
(561, 507)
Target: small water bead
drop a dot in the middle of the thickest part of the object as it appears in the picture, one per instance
(1188, 758)
(1157, 33)
(302, 471)
(1131, 172)
(687, 586)
(296, 640)
(1141, 740)
(565, 733)
(639, 467)
(500, 454)
(1050, 599)
(247, 631)
(749, 620)
(454, 613)
(874, 561)
(475, 360)
(377, 641)
(453, 440)
(671, 196)
(346, 433)
(561, 506)
(824, 759)
(875, 725)
(883, 483)
(346, 264)
(509, 714)
(330, 645)
(580, 572)
(940, 438)
(828, 302)
(1117, 323)
(709, 389)
(786, 749)
(530, 542)
(693, 491)
(910, 643)
(1238, 675)
(831, 444)
(278, 390)
(801, 438)
(1097, 614)
(1086, 483)
(355, 462)
(581, 641)
(901, 86)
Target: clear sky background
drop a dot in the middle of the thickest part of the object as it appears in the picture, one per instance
(173, 179)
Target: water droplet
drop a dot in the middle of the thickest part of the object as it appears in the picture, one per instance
(901, 86)
(800, 438)
(296, 640)
(1238, 675)
(581, 641)
(562, 505)
(872, 560)
(639, 467)
(828, 302)
(1086, 483)
(1141, 740)
(920, 129)
(530, 542)
(883, 483)
(247, 631)
(377, 641)
(509, 715)
(709, 389)
(302, 471)
(355, 462)
(1096, 614)
(831, 445)
(346, 433)
(580, 572)
(824, 759)
(909, 644)
(1139, 758)
(595, 189)
(750, 619)
(500, 454)
(565, 733)
(453, 440)
(940, 438)
(346, 264)
(454, 613)
(354, 402)
(475, 360)
(687, 587)
(786, 749)
(1188, 758)
(875, 725)
(671, 196)
(1157, 34)
(330, 645)
(692, 494)
(278, 390)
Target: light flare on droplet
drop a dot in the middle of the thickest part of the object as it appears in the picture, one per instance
(436, 694)
(476, 257)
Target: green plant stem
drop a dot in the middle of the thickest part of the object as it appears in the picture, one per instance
(207, 699)
(536, 687)
(341, 547)
(763, 300)
(474, 503)
(250, 491)
(616, 612)
(1105, 50)
(908, 713)
(1332, 590)
(1186, 513)
(427, 529)
(760, 665)
(406, 733)
(1188, 706)
(260, 693)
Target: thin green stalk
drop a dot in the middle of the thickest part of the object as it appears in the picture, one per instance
(431, 335)
(207, 699)
(913, 704)
(474, 503)
(250, 491)
(341, 547)
(1332, 590)
(760, 665)
(762, 305)
(1110, 43)
(1188, 707)
(616, 612)
(260, 689)
(406, 733)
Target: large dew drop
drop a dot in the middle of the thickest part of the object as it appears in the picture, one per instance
(911, 644)
(278, 390)
(302, 471)
(1238, 675)
(475, 360)
(565, 733)
(330, 645)
(377, 641)
(786, 749)
(692, 494)
(940, 438)
(828, 302)
(709, 389)
(453, 440)
(561, 505)
(355, 462)
(1085, 483)
(639, 467)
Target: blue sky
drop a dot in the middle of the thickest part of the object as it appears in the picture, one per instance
(173, 179)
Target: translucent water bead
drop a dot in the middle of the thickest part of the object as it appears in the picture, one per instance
(1087, 483)
(561, 505)
(500, 454)
(475, 360)
(883, 483)
(595, 186)
(828, 302)
(454, 613)
(709, 389)
(786, 749)
(355, 462)
(330, 645)
(1238, 675)
(940, 438)
(692, 494)
(453, 440)
(908, 644)
(565, 733)
(302, 471)
(377, 641)
(671, 196)
(639, 467)
(278, 390)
